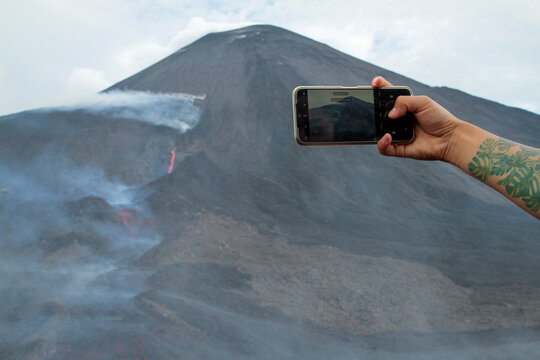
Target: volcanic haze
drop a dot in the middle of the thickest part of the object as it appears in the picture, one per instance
(132, 239)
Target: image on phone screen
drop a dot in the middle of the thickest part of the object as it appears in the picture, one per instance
(339, 115)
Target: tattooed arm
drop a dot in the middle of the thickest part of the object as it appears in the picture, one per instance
(508, 167)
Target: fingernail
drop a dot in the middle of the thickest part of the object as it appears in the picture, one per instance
(385, 140)
(392, 112)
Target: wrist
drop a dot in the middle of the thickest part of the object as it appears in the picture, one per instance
(463, 144)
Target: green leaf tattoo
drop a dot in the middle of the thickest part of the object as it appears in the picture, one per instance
(518, 165)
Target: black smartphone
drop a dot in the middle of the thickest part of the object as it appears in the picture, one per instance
(336, 115)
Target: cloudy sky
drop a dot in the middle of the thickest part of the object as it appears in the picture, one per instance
(57, 52)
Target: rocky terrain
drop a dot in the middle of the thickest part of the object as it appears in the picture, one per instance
(244, 244)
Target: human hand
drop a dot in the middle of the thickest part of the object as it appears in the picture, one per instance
(433, 130)
(439, 135)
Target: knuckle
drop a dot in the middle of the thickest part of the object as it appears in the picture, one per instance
(425, 99)
(399, 101)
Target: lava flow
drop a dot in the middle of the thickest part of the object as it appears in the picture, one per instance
(173, 156)
(128, 218)
(133, 222)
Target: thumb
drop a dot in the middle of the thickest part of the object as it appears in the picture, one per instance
(386, 147)
(384, 143)
(405, 103)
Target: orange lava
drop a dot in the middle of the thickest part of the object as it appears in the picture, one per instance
(128, 218)
(173, 156)
(133, 222)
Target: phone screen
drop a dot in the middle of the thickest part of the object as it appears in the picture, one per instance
(341, 115)
(326, 115)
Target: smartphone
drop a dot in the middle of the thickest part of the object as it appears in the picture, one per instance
(337, 115)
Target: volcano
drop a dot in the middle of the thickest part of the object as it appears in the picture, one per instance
(240, 243)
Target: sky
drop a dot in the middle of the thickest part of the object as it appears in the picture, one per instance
(59, 52)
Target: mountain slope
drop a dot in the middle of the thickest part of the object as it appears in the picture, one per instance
(254, 247)
(366, 203)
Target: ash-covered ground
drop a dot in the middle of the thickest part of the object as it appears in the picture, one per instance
(174, 217)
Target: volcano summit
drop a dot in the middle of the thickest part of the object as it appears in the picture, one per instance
(213, 235)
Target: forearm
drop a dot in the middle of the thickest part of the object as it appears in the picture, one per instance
(508, 167)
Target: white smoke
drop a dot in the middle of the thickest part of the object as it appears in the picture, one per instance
(55, 260)
(175, 110)
(60, 182)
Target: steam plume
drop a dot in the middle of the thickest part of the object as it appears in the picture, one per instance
(175, 110)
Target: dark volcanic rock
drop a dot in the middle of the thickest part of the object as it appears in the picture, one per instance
(132, 151)
(54, 243)
(249, 167)
(199, 275)
(268, 249)
(92, 208)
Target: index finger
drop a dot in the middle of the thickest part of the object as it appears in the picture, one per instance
(379, 81)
